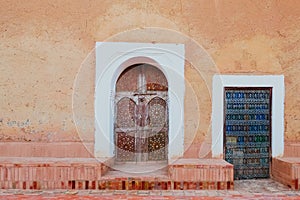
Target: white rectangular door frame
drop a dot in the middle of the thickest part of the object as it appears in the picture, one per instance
(276, 82)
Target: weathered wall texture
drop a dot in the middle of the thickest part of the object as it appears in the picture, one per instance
(45, 62)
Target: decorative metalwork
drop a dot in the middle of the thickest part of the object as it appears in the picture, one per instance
(247, 131)
(125, 147)
(125, 113)
(157, 112)
(157, 145)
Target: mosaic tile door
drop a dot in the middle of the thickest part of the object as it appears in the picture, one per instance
(141, 115)
(247, 131)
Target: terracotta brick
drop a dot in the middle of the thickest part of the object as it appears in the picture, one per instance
(102, 185)
(178, 185)
(56, 173)
(82, 172)
(69, 184)
(46, 185)
(63, 184)
(212, 185)
(285, 170)
(80, 185)
(34, 175)
(89, 173)
(21, 173)
(98, 172)
(66, 173)
(30, 173)
(51, 184)
(56, 184)
(12, 174)
(49, 173)
(152, 185)
(39, 172)
(10, 184)
(5, 174)
(201, 185)
(24, 185)
(16, 185)
(44, 173)
(2, 172)
(69, 174)
(36, 185)
(55, 176)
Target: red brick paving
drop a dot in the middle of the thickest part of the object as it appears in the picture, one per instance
(246, 189)
(133, 197)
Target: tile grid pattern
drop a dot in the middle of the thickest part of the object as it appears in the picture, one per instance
(247, 131)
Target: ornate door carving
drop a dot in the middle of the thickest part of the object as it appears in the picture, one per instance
(141, 115)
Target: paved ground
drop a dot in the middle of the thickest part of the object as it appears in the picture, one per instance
(246, 189)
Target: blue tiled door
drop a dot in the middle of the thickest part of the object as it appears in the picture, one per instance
(247, 131)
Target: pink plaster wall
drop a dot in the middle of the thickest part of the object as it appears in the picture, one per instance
(44, 60)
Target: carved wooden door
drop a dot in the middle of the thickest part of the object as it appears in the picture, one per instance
(141, 116)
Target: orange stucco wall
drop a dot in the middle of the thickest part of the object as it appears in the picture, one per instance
(46, 58)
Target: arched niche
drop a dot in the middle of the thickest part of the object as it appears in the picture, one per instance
(141, 123)
(111, 60)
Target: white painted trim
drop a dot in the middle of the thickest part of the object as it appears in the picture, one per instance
(111, 59)
(276, 82)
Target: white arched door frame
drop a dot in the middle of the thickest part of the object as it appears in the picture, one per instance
(111, 60)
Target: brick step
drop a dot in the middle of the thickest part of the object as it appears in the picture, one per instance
(51, 173)
(287, 171)
(88, 173)
(201, 170)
